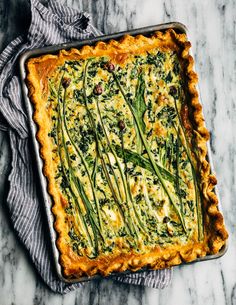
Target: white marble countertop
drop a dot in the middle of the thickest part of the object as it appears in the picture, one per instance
(212, 28)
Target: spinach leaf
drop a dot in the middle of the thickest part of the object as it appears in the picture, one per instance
(139, 104)
(141, 161)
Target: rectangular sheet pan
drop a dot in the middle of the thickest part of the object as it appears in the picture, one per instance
(46, 200)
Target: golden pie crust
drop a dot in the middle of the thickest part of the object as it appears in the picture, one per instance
(159, 257)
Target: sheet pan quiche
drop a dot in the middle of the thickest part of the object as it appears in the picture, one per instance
(123, 142)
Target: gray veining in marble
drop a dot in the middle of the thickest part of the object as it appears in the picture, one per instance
(212, 29)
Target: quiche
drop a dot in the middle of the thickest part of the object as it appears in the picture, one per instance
(123, 143)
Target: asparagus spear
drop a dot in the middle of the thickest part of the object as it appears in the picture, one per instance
(155, 168)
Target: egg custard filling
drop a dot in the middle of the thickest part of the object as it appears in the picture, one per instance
(124, 147)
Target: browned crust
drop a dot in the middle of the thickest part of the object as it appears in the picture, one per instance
(73, 265)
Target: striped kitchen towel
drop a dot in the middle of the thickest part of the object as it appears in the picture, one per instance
(50, 25)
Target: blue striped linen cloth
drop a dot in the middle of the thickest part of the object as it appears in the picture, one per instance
(50, 25)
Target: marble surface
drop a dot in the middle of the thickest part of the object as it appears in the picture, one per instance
(212, 28)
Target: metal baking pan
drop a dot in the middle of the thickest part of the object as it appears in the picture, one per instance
(178, 27)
